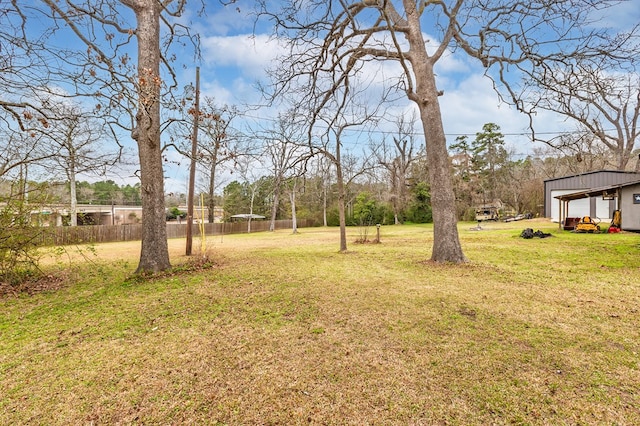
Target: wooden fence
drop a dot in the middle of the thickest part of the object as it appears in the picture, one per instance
(63, 235)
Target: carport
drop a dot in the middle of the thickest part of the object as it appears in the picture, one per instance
(593, 206)
(625, 195)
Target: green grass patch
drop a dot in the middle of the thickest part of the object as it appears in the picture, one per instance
(283, 329)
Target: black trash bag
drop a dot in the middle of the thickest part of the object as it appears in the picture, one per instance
(541, 234)
(527, 233)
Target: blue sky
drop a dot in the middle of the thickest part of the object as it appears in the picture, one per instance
(234, 58)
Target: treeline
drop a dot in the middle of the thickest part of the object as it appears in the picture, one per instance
(108, 192)
(33, 201)
(316, 200)
(102, 192)
(485, 172)
(393, 188)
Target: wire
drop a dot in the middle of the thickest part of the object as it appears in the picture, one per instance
(419, 134)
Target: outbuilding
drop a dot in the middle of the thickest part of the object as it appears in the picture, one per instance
(594, 206)
(624, 196)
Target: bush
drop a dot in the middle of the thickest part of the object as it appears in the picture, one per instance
(469, 215)
(367, 210)
(419, 210)
(333, 217)
(172, 214)
(20, 236)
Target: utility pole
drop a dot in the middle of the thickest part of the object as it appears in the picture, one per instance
(192, 169)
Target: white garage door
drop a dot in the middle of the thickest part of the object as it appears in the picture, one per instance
(577, 208)
(602, 210)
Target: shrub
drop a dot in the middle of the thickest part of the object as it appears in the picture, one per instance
(22, 231)
(419, 210)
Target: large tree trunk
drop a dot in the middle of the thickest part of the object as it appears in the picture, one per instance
(446, 242)
(154, 255)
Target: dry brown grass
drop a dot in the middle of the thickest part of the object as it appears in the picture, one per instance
(284, 330)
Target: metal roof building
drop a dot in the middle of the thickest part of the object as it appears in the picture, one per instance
(591, 205)
(626, 197)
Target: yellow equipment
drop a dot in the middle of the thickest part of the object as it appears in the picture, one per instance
(616, 222)
(587, 224)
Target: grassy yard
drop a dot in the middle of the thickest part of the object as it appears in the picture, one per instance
(285, 330)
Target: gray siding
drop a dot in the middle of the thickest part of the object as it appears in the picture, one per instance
(583, 182)
(630, 211)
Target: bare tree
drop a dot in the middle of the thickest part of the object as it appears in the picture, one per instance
(330, 113)
(523, 187)
(349, 39)
(286, 149)
(249, 173)
(154, 255)
(79, 145)
(219, 144)
(323, 184)
(19, 150)
(96, 66)
(292, 187)
(330, 143)
(581, 153)
(20, 154)
(336, 39)
(604, 105)
(397, 158)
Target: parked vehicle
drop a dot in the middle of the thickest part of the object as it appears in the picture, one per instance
(487, 213)
(588, 224)
(521, 216)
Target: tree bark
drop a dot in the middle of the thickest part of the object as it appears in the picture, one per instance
(154, 255)
(446, 242)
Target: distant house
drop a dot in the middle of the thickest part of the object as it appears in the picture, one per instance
(595, 194)
(91, 214)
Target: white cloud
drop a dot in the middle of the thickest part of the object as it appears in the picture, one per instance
(234, 63)
(219, 91)
(473, 102)
(249, 55)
